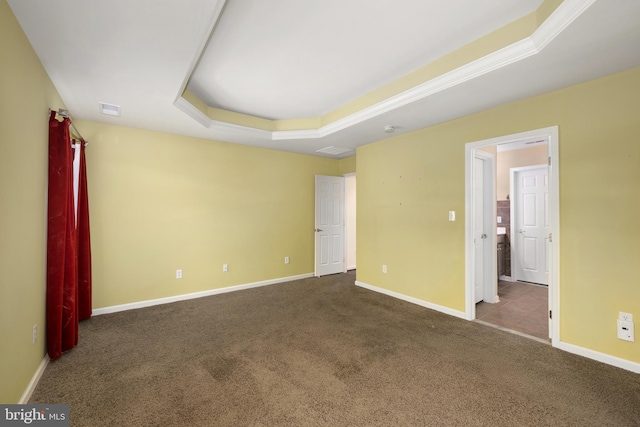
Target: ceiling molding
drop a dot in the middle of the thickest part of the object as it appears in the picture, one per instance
(196, 58)
(192, 111)
(560, 19)
(281, 135)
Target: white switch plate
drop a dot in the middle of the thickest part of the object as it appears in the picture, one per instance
(499, 220)
(225, 267)
(384, 268)
(286, 260)
(34, 334)
(627, 317)
(452, 215)
(625, 330)
(178, 274)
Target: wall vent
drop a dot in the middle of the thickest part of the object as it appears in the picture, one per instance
(109, 109)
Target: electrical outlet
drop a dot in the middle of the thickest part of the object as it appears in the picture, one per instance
(627, 317)
(625, 330)
(34, 334)
(499, 220)
(225, 267)
(384, 268)
(286, 260)
(178, 274)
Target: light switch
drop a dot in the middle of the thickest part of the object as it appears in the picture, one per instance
(499, 220)
(452, 215)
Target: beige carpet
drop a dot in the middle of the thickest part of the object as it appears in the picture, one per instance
(319, 352)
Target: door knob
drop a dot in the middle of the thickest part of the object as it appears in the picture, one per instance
(483, 236)
(521, 231)
(318, 230)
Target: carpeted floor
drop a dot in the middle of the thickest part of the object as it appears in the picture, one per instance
(319, 352)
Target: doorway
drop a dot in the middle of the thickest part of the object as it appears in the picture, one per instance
(329, 225)
(335, 224)
(502, 225)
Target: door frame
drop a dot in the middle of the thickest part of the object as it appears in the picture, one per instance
(348, 267)
(551, 135)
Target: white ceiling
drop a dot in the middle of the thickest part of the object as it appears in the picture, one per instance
(285, 59)
(292, 59)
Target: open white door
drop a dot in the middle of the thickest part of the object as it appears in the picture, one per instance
(483, 212)
(530, 234)
(551, 218)
(329, 230)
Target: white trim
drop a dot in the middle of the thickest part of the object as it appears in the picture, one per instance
(600, 357)
(247, 130)
(567, 12)
(426, 304)
(281, 135)
(560, 19)
(192, 111)
(551, 134)
(167, 300)
(34, 381)
(203, 44)
(554, 206)
(351, 267)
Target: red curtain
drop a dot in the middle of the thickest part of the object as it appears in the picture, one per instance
(63, 302)
(84, 241)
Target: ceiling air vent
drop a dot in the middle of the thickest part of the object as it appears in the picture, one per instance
(334, 150)
(109, 109)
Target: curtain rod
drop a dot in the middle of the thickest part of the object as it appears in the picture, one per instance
(65, 113)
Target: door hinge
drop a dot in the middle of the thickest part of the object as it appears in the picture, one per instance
(549, 161)
(550, 316)
(550, 237)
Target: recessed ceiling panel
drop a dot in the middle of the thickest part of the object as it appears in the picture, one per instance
(287, 59)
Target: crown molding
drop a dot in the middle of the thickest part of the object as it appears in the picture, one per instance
(560, 19)
(192, 111)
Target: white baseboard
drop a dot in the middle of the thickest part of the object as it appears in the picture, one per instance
(571, 348)
(351, 267)
(34, 381)
(600, 357)
(149, 303)
(432, 306)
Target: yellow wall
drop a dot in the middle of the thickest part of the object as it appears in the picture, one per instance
(407, 184)
(505, 160)
(347, 165)
(163, 202)
(26, 93)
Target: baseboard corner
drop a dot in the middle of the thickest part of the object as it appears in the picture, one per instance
(34, 380)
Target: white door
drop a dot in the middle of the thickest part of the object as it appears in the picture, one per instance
(530, 233)
(329, 229)
(484, 249)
